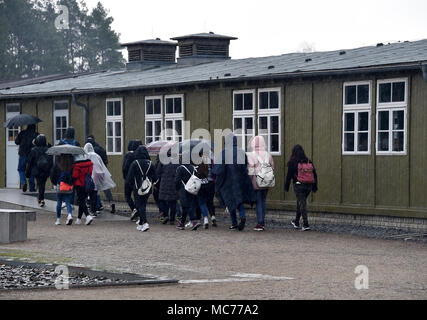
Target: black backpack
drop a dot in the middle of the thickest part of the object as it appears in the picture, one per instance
(44, 163)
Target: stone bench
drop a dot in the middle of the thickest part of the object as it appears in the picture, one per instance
(13, 224)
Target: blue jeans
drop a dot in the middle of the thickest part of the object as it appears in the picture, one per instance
(261, 197)
(109, 196)
(241, 214)
(203, 207)
(63, 197)
(22, 164)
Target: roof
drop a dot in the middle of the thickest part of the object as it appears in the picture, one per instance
(150, 41)
(403, 55)
(209, 35)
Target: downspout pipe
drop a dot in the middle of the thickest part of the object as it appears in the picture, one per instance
(85, 113)
(424, 69)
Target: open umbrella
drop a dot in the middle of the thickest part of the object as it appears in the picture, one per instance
(201, 144)
(65, 149)
(21, 120)
(154, 148)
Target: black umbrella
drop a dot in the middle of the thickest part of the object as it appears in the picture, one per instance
(21, 120)
(191, 144)
(65, 149)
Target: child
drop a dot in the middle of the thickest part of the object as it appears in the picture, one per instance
(81, 168)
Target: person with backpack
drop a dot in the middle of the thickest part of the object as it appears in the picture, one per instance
(233, 186)
(39, 165)
(127, 161)
(61, 176)
(100, 175)
(82, 173)
(261, 171)
(141, 176)
(203, 197)
(187, 184)
(303, 174)
(25, 142)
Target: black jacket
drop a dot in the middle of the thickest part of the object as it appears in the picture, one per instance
(25, 140)
(69, 138)
(181, 178)
(134, 175)
(99, 150)
(166, 175)
(293, 174)
(40, 148)
(129, 156)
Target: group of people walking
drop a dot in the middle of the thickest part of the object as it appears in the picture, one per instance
(181, 189)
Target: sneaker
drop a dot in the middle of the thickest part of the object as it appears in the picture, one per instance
(58, 222)
(180, 226)
(195, 225)
(94, 214)
(145, 227)
(233, 227)
(24, 188)
(113, 208)
(242, 224)
(165, 220)
(69, 220)
(137, 221)
(139, 227)
(206, 222)
(306, 228)
(100, 208)
(188, 225)
(296, 226)
(89, 220)
(259, 227)
(79, 221)
(134, 213)
(42, 203)
(214, 221)
(63, 205)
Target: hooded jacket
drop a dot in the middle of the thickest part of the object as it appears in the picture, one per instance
(37, 151)
(99, 150)
(166, 175)
(258, 153)
(129, 156)
(100, 174)
(69, 137)
(25, 140)
(80, 169)
(135, 176)
(181, 178)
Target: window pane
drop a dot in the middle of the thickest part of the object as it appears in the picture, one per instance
(398, 120)
(263, 100)
(248, 123)
(64, 122)
(118, 145)
(363, 121)
(238, 123)
(110, 107)
(149, 128)
(150, 107)
(117, 108)
(363, 94)
(238, 102)
(274, 143)
(169, 105)
(350, 95)
(397, 141)
(383, 141)
(398, 91)
(110, 145)
(385, 92)
(274, 100)
(274, 124)
(383, 120)
(178, 105)
(118, 126)
(12, 108)
(63, 133)
(158, 128)
(148, 140)
(349, 142)
(58, 134)
(157, 106)
(169, 124)
(362, 142)
(248, 101)
(58, 122)
(263, 123)
(109, 129)
(349, 122)
(178, 126)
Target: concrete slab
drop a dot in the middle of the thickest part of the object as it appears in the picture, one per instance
(13, 225)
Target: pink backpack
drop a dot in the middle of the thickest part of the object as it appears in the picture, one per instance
(305, 172)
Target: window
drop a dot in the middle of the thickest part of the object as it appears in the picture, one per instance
(391, 116)
(269, 118)
(174, 117)
(244, 117)
(114, 126)
(60, 120)
(357, 118)
(12, 109)
(153, 119)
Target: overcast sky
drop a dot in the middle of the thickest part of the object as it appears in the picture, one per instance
(272, 27)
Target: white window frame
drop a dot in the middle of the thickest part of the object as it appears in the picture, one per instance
(154, 117)
(271, 113)
(174, 117)
(10, 114)
(356, 109)
(244, 114)
(60, 113)
(114, 119)
(390, 107)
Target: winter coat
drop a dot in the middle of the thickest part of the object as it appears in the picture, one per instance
(36, 152)
(80, 170)
(135, 176)
(166, 174)
(99, 150)
(100, 175)
(25, 140)
(293, 174)
(254, 165)
(233, 184)
(129, 156)
(181, 178)
(69, 138)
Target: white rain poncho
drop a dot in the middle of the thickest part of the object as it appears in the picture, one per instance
(100, 174)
